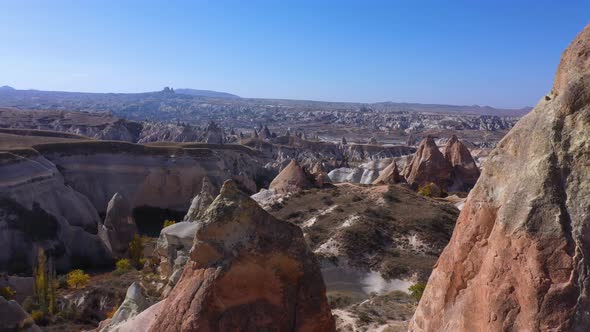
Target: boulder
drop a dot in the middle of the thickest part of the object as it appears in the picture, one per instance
(14, 318)
(519, 257)
(119, 227)
(428, 165)
(247, 272)
(175, 241)
(292, 178)
(200, 203)
(465, 170)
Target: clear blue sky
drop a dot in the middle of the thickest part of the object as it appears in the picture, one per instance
(497, 53)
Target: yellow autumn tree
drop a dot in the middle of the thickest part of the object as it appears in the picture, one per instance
(78, 279)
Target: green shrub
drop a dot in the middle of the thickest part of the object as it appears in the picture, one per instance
(7, 293)
(122, 266)
(416, 290)
(78, 279)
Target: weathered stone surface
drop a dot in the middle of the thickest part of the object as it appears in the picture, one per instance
(14, 318)
(213, 134)
(389, 175)
(465, 170)
(135, 302)
(292, 178)
(200, 203)
(249, 272)
(172, 250)
(517, 260)
(119, 227)
(428, 165)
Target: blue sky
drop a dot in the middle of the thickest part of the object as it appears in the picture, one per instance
(497, 53)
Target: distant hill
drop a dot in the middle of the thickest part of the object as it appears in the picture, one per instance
(6, 88)
(205, 93)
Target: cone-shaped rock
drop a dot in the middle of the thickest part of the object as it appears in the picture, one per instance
(200, 203)
(428, 165)
(119, 227)
(519, 257)
(389, 174)
(248, 272)
(292, 178)
(465, 171)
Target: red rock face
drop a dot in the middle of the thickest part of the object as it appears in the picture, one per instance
(517, 257)
(465, 171)
(248, 272)
(428, 165)
(292, 178)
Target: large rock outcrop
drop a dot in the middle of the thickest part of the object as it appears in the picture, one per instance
(465, 170)
(119, 227)
(428, 165)
(248, 272)
(292, 178)
(518, 257)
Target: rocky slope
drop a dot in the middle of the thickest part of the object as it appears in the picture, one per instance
(247, 271)
(292, 178)
(517, 258)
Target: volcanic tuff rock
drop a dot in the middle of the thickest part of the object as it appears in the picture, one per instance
(518, 258)
(135, 302)
(465, 171)
(248, 272)
(213, 134)
(119, 227)
(200, 203)
(389, 175)
(292, 178)
(428, 164)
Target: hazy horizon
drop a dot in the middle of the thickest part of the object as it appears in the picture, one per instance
(502, 55)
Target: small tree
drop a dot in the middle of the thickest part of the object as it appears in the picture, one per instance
(45, 283)
(77, 279)
(136, 251)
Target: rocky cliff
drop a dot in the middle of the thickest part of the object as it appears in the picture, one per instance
(51, 194)
(517, 257)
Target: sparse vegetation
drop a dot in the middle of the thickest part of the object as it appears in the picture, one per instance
(78, 279)
(136, 251)
(122, 266)
(168, 222)
(417, 290)
(7, 292)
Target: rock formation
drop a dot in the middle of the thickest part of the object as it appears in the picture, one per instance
(14, 318)
(213, 134)
(465, 170)
(389, 175)
(172, 250)
(135, 302)
(372, 141)
(518, 257)
(428, 165)
(248, 271)
(200, 203)
(119, 227)
(291, 179)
